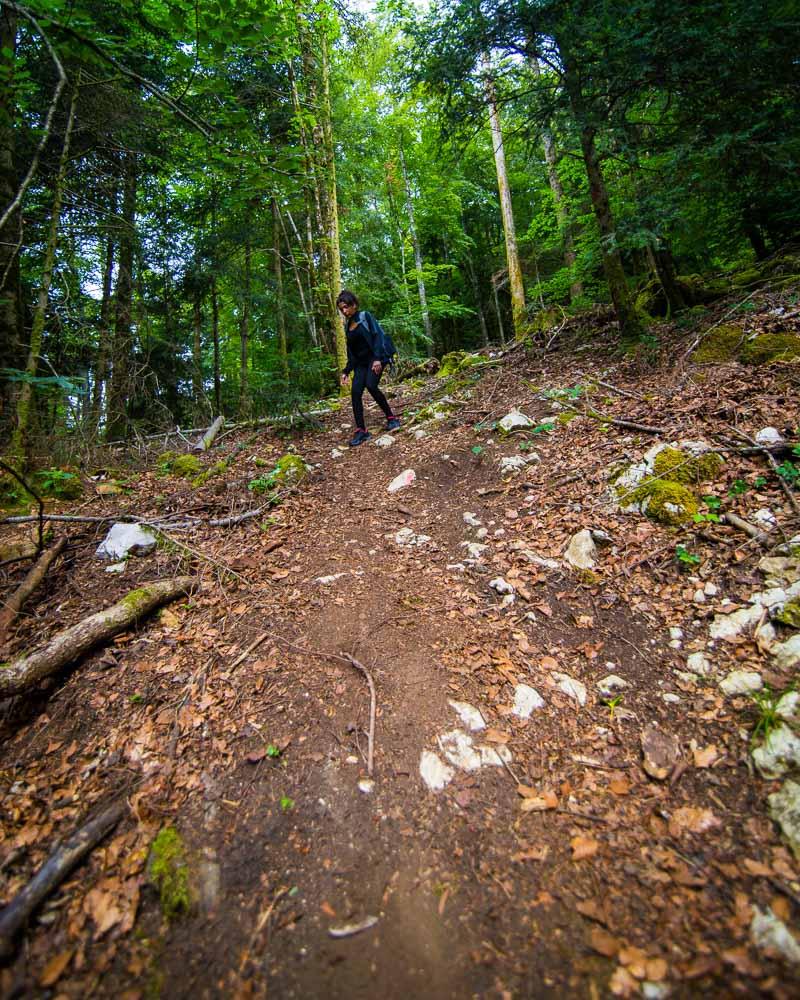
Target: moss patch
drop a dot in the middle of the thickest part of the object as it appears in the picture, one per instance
(186, 466)
(771, 347)
(663, 501)
(721, 344)
(676, 466)
(790, 615)
(217, 469)
(169, 872)
(458, 361)
(289, 469)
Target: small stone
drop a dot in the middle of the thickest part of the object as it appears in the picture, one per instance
(581, 551)
(779, 753)
(384, 441)
(407, 538)
(765, 518)
(773, 937)
(698, 664)
(787, 654)
(511, 421)
(126, 540)
(474, 549)
(731, 626)
(325, 580)
(456, 567)
(699, 597)
(570, 687)
(710, 589)
(537, 560)
(608, 685)
(526, 699)
(499, 532)
(434, 772)
(400, 482)
(676, 633)
(471, 520)
(788, 706)
(469, 715)
(671, 699)
(419, 433)
(660, 750)
(655, 991)
(769, 435)
(501, 586)
(337, 453)
(512, 463)
(351, 759)
(366, 785)
(481, 533)
(741, 682)
(784, 809)
(116, 567)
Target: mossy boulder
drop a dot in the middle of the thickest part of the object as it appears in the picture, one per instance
(720, 345)
(677, 466)
(662, 500)
(186, 466)
(217, 469)
(168, 871)
(438, 410)
(456, 362)
(790, 615)
(289, 469)
(771, 347)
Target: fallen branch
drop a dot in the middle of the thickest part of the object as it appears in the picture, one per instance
(629, 424)
(749, 529)
(29, 585)
(198, 555)
(207, 439)
(53, 872)
(26, 671)
(227, 522)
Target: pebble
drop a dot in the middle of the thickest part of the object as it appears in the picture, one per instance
(741, 682)
(570, 687)
(526, 699)
(608, 685)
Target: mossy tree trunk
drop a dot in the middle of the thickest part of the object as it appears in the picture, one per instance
(334, 276)
(516, 286)
(104, 328)
(245, 401)
(423, 297)
(280, 304)
(21, 441)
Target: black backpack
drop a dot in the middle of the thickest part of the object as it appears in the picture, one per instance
(388, 349)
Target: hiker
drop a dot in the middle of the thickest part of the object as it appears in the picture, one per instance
(368, 354)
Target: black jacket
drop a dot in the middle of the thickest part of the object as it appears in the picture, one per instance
(365, 343)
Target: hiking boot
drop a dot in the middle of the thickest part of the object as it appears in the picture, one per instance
(393, 424)
(359, 438)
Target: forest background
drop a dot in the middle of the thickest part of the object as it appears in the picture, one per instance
(185, 188)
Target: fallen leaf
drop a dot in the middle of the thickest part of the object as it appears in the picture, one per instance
(327, 909)
(548, 800)
(740, 959)
(496, 736)
(619, 786)
(655, 970)
(55, 967)
(756, 869)
(689, 819)
(588, 908)
(583, 847)
(635, 961)
(548, 663)
(256, 756)
(533, 854)
(623, 984)
(705, 757)
(603, 943)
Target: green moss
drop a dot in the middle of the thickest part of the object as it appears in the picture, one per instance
(289, 469)
(678, 467)
(790, 615)
(217, 469)
(136, 599)
(169, 872)
(744, 278)
(186, 466)
(721, 344)
(456, 362)
(566, 417)
(433, 411)
(663, 501)
(771, 347)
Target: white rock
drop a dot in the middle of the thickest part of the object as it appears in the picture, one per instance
(501, 586)
(407, 538)
(710, 589)
(731, 626)
(601, 537)
(366, 785)
(676, 633)
(456, 567)
(384, 441)
(399, 482)
(337, 453)
(116, 567)
(458, 748)
(481, 533)
(675, 644)
(581, 550)
(769, 435)
(499, 532)
(469, 715)
(511, 421)
(435, 773)
(671, 699)
(325, 580)
(780, 752)
(572, 688)
(471, 520)
(532, 557)
(526, 699)
(698, 664)
(699, 597)
(494, 756)
(125, 540)
(772, 936)
(765, 518)
(419, 433)
(474, 549)
(741, 682)
(655, 991)
(787, 654)
(788, 706)
(784, 809)
(608, 685)
(512, 463)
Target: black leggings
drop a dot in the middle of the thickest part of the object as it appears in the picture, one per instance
(365, 378)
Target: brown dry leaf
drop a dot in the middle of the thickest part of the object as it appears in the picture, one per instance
(545, 609)
(740, 959)
(584, 621)
(781, 907)
(543, 899)
(588, 908)
(583, 847)
(756, 869)
(623, 984)
(54, 969)
(635, 961)
(604, 943)
(327, 909)
(102, 906)
(655, 970)
(619, 786)
(496, 736)
(169, 619)
(527, 792)
(706, 757)
(547, 800)
(689, 819)
(548, 663)
(532, 854)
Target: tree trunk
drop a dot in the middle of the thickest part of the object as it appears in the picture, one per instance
(245, 402)
(21, 443)
(280, 305)
(498, 313)
(476, 291)
(11, 234)
(663, 265)
(423, 299)
(518, 309)
(198, 389)
(104, 331)
(332, 211)
(215, 336)
(308, 310)
(122, 347)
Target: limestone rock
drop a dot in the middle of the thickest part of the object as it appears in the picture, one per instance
(435, 773)
(407, 538)
(741, 682)
(513, 420)
(125, 540)
(787, 654)
(769, 435)
(384, 441)
(526, 700)
(779, 753)
(731, 626)
(660, 750)
(471, 520)
(400, 482)
(469, 715)
(581, 551)
(784, 808)
(501, 586)
(698, 664)
(570, 687)
(773, 937)
(608, 686)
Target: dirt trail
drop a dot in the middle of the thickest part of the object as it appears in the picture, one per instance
(570, 872)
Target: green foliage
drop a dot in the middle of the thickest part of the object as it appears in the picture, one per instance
(767, 719)
(169, 872)
(685, 557)
(788, 472)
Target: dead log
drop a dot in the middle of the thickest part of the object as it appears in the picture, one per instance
(27, 670)
(53, 872)
(29, 585)
(749, 529)
(207, 439)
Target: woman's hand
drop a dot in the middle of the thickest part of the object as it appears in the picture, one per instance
(377, 367)
(344, 380)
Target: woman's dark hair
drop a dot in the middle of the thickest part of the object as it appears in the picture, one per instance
(346, 298)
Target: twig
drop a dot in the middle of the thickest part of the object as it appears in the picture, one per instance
(260, 925)
(749, 529)
(249, 650)
(54, 871)
(629, 424)
(199, 555)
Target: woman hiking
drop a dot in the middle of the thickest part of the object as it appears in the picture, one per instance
(366, 359)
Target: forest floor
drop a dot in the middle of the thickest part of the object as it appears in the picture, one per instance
(568, 870)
